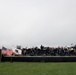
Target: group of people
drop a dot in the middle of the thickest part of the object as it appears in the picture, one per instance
(42, 51)
(49, 51)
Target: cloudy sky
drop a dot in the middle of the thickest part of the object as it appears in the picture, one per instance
(35, 22)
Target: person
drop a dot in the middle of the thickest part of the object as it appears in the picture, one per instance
(41, 49)
(0, 55)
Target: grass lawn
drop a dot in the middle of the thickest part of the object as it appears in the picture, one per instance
(38, 68)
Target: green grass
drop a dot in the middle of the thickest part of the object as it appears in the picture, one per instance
(36, 68)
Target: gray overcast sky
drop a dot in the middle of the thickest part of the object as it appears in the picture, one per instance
(35, 22)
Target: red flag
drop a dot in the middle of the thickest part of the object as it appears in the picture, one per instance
(7, 52)
(3, 51)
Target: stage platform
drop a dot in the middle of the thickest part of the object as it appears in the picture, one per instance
(40, 59)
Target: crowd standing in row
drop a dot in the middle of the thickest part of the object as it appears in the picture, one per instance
(42, 51)
(49, 51)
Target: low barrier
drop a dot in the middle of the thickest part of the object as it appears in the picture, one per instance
(40, 58)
